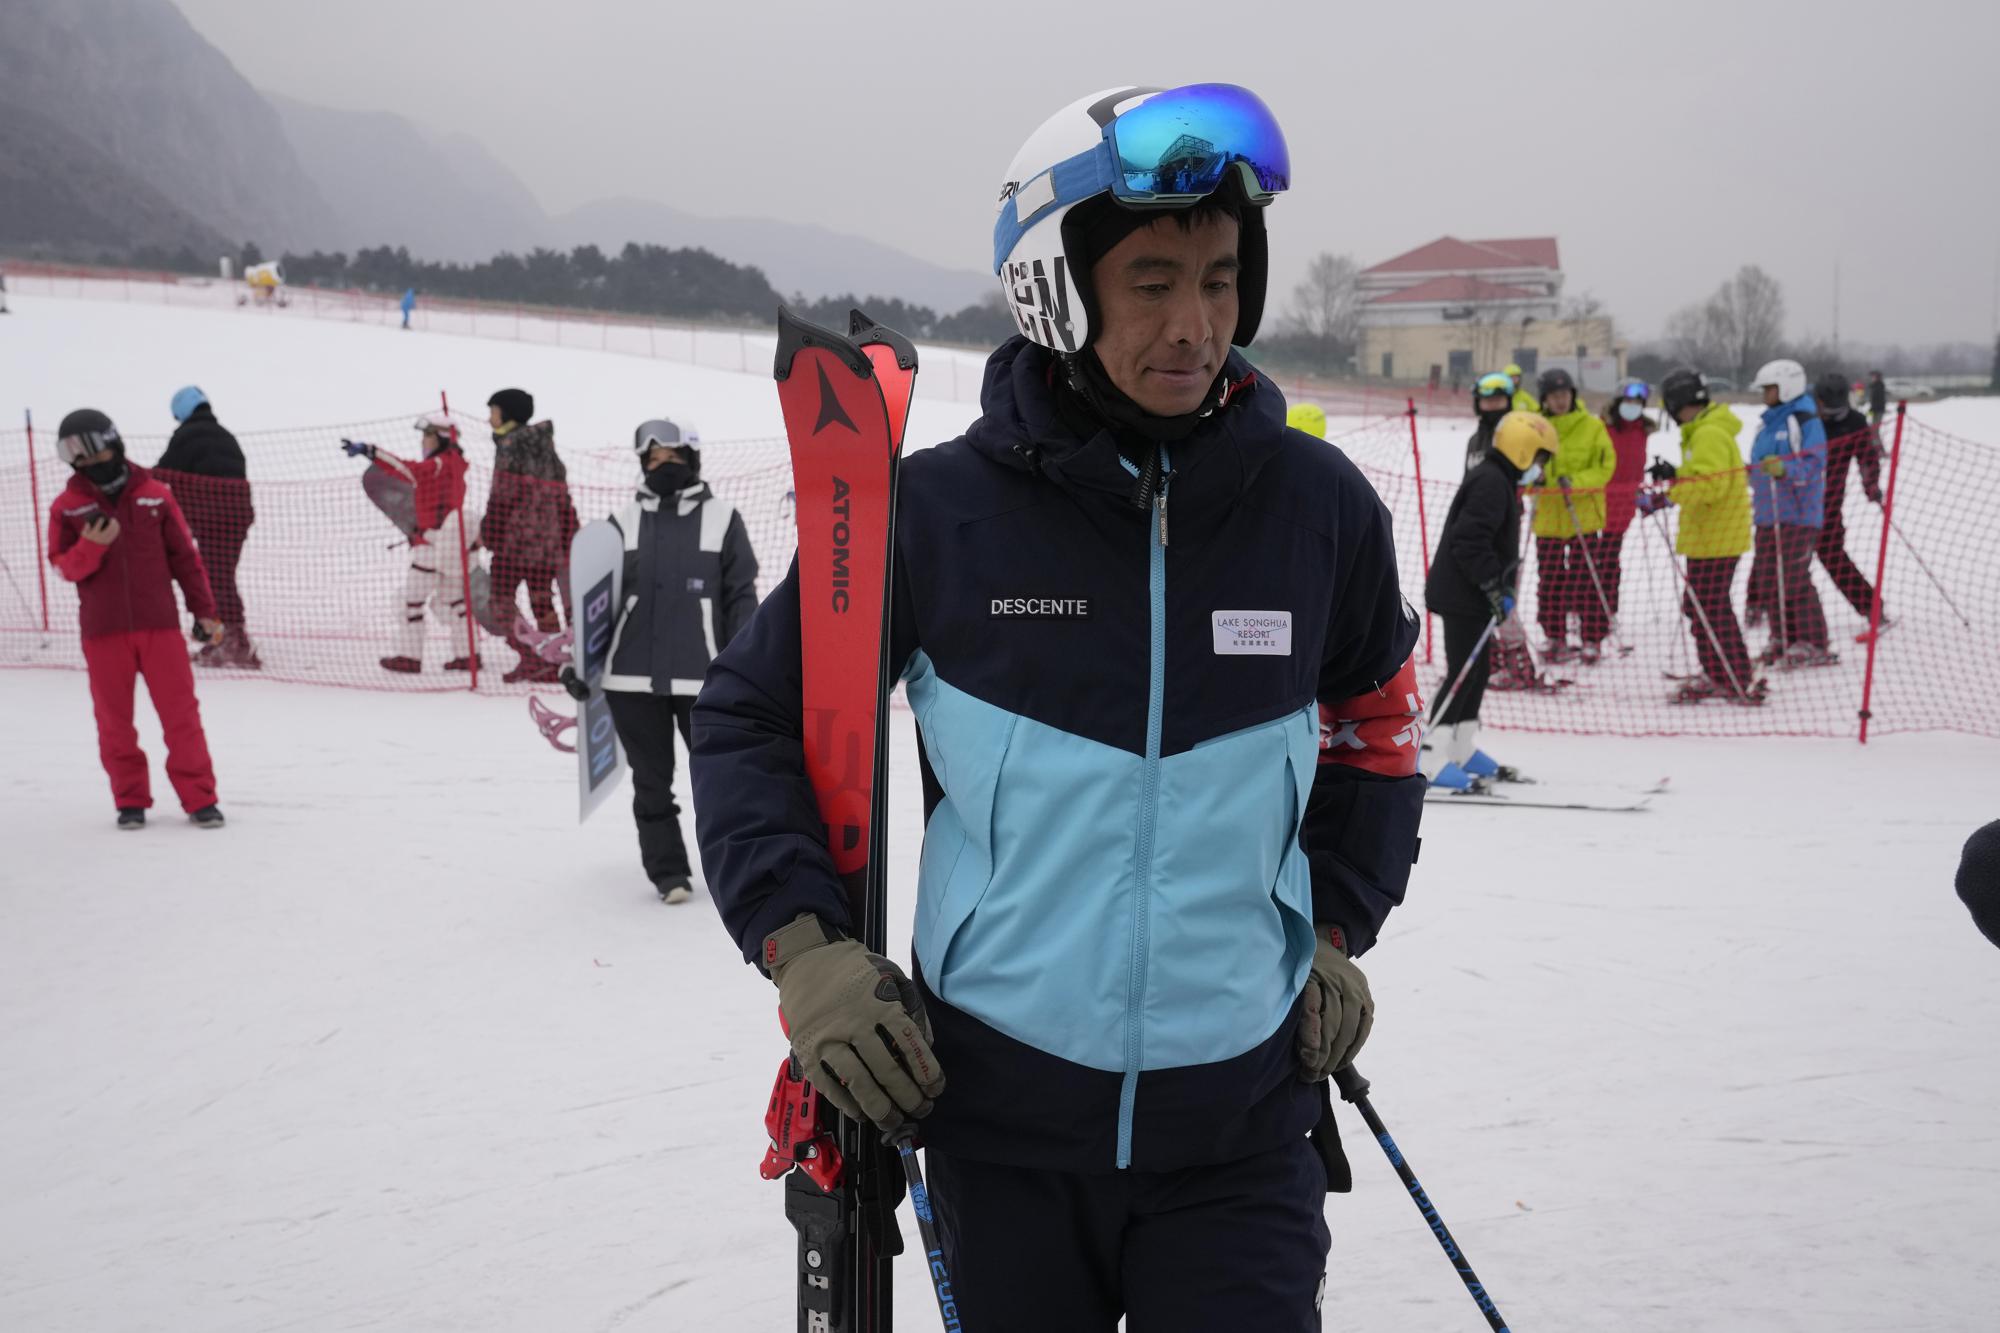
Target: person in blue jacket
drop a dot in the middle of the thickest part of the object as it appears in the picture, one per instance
(1159, 662)
(1788, 497)
(409, 304)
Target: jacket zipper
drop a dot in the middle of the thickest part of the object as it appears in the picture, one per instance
(1149, 802)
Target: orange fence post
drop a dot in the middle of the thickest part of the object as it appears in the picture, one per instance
(1881, 568)
(1423, 521)
(35, 503)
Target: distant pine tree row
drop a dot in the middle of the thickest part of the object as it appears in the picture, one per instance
(658, 280)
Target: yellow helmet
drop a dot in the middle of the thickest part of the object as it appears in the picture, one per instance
(1514, 373)
(1522, 435)
(1307, 417)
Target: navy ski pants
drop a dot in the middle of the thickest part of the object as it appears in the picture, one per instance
(1241, 1245)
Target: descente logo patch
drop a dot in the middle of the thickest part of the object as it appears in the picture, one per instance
(1040, 608)
(1253, 633)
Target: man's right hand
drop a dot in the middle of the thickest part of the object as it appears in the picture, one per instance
(356, 449)
(103, 530)
(856, 1022)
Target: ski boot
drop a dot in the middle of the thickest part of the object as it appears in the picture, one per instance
(130, 817)
(1483, 765)
(1870, 635)
(462, 663)
(237, 651)
(1694, 690)
(1454, 779)
(675, 889)
(407, 666)
(208, 817)
(1801, 655)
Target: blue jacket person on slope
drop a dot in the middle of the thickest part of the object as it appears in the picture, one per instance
(1155, 839)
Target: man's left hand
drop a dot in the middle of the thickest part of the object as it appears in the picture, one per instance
(1338, 1010)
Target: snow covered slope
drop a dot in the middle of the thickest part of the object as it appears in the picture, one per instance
(405, 1049)
(402, 1048)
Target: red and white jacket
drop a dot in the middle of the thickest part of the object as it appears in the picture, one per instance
(439, 481)
(128, 585)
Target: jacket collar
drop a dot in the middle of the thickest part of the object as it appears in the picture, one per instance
(1032, 421)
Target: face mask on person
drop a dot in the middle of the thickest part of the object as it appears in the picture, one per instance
(108, 476)
(1630, 410)
(670, 478)
(1536, 470)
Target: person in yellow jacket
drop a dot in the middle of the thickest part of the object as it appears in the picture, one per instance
(1569, 513)
(1712, 490)
(1523, 400)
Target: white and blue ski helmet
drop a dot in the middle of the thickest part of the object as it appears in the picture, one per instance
(1147, 148)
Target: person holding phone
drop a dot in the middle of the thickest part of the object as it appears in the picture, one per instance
(117, 534)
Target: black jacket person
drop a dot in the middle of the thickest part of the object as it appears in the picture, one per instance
(203, 466)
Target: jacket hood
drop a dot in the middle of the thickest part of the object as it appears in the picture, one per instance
(1024, 424)
(1716, 414)
(1805, 403)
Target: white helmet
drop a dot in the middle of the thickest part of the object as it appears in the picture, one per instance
(1146, 148)
(1789, 376)
(440, 422)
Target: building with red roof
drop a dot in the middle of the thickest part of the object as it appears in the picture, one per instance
(1453, 310)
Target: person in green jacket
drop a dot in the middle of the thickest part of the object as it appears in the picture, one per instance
(1569, 512)
(1712, 490)
(1523, 400)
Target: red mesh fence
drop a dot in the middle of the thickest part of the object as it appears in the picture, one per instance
(325, 579)
(320, 579)
(1933, 540)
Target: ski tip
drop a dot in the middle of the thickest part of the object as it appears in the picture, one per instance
(796, 335)
(866, 332)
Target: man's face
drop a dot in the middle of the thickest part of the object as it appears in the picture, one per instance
(1168, 297)
(661, 454)
(1771, 398)
(1495, 402)
(494, 418)
(105, 455)
(1559, 401)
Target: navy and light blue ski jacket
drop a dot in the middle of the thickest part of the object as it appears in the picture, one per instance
(1793, 432)
(1160, 743)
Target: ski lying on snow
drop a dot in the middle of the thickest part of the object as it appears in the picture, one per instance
(1553, 796)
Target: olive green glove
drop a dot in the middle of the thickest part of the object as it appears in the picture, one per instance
(856, 1022)
(1338, 1009)
(1773, 466)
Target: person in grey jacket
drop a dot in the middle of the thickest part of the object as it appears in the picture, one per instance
(690, 586)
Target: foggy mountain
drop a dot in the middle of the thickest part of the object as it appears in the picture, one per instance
(134, 81)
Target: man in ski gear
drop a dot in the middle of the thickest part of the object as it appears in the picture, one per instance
(409, 303)
(1523, 400)
(116, 532)
(1850, 440)
(1567, 516)
(1788, 487)
(1878, 398)
(1159, 664)
(203, 465)
(436, 577)
(528, 523)
(690, 586)
(1492, 399)
(1710, 490)
(1626, 422)
(1472, 585)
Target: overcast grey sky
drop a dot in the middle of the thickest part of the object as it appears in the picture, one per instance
(1663, 144)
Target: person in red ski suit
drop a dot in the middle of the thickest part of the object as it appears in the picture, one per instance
(1626, 422)
(438, 540)
(116, 532)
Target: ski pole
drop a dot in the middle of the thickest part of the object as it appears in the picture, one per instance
(1701, 614)
(904, 1141)
(1466, 670)
(1583, 542)
(1897, 528)
(1354, 1089)
(1783, 635)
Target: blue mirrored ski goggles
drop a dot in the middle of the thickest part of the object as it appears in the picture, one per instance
(1635, 389)
(1174, 149)
(1495, 385)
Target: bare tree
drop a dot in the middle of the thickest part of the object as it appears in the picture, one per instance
(1737, 329)
(1326, 309)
